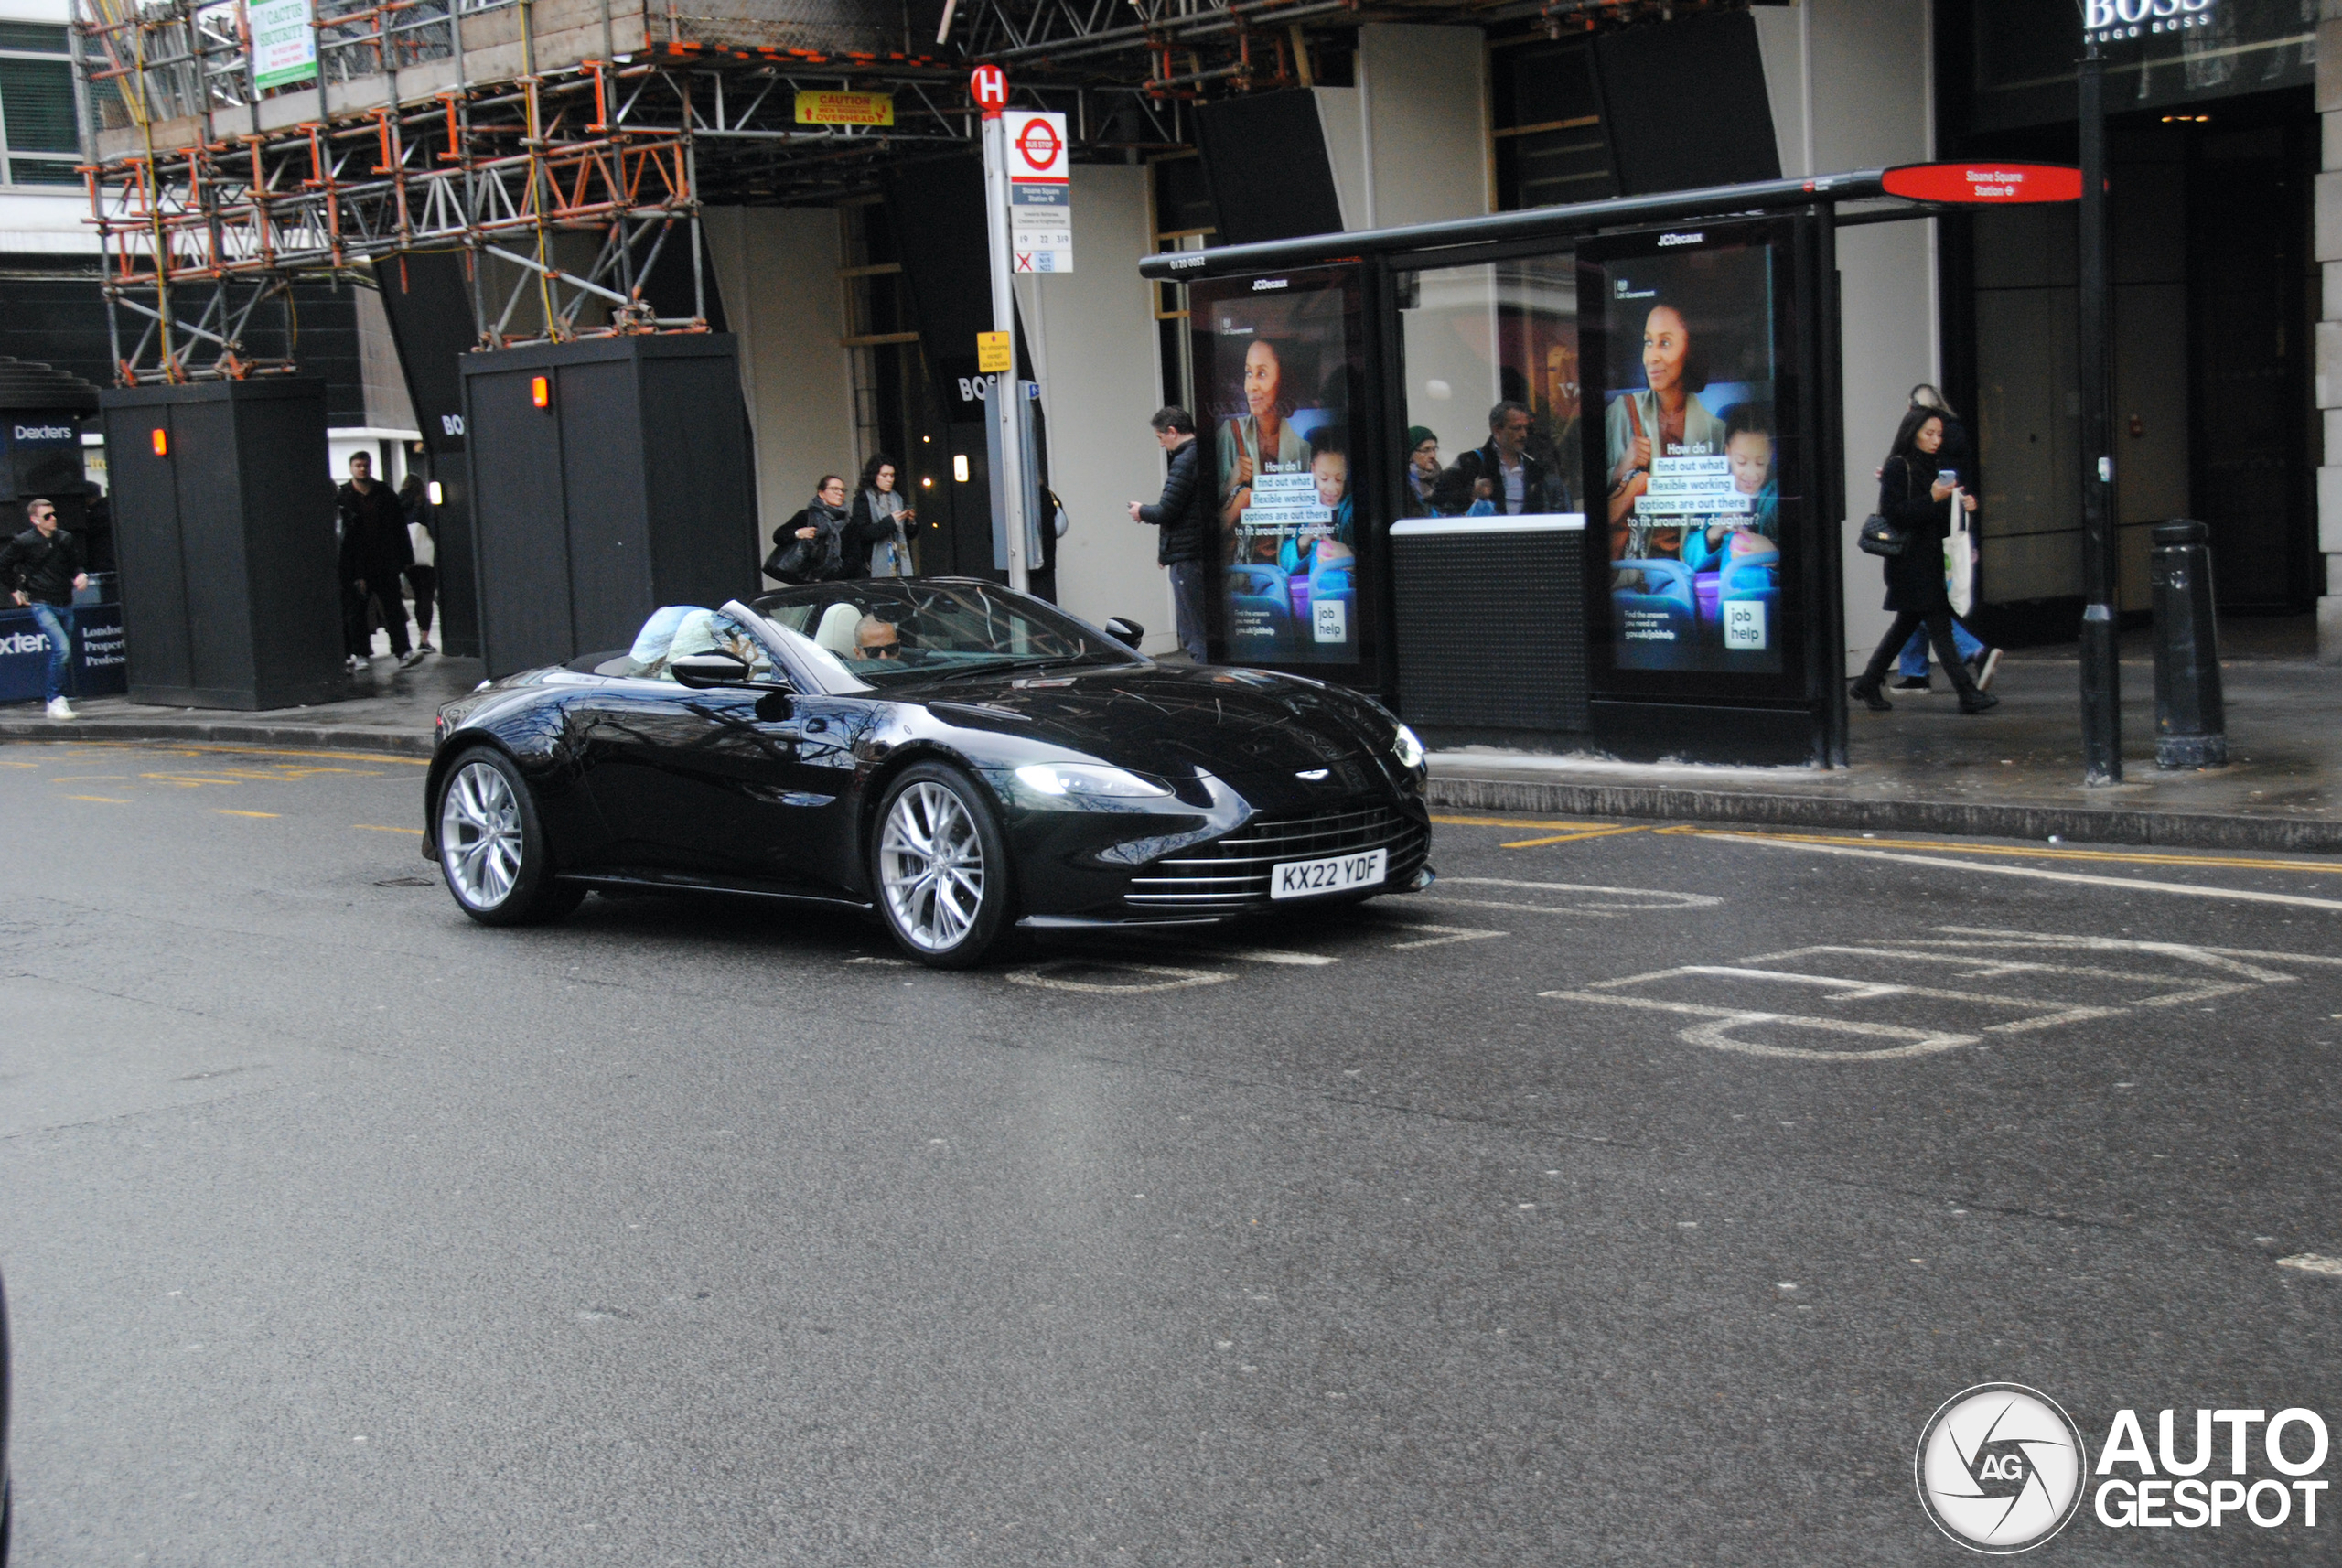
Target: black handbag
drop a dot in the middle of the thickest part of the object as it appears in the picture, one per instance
(1880, 537)
(791, 558)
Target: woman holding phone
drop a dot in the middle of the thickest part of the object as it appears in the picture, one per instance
(1915, 496)
(1956, 457)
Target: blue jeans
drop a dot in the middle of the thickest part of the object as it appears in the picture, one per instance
(56, 623)
(1914, 665)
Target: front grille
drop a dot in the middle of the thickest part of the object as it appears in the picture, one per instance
(1233, 873)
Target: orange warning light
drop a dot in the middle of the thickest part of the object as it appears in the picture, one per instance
(162, 443)
(541, 391)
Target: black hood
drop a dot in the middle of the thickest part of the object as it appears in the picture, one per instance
(1167, 721)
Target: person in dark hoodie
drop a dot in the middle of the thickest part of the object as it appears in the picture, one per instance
(375, 554)
(41, 568)
(1187, 535)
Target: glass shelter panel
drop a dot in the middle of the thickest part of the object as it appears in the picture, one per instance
(1492, 374)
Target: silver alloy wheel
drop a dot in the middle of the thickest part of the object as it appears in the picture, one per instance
(479, 835)
(931, 863)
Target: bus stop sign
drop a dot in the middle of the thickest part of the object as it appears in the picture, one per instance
(1985, 184)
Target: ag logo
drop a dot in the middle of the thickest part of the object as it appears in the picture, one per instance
(2000, 1468)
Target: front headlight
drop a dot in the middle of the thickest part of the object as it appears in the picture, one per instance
(1407, 749)
(1077, 782)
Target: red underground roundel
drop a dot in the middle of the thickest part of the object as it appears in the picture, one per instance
(1038, 144)
(1987, 183)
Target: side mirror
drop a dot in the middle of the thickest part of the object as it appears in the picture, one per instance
(1125, 630)
(701, 671)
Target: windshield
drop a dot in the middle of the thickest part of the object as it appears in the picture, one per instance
(891, 632)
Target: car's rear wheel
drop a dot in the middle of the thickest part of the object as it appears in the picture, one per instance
(492, 844)
(940, 862)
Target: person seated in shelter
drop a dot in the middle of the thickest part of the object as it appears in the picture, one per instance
(1748, 446)
(1458, 492)
(875, 638)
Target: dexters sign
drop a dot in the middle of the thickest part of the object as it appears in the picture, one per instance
(2109, 21)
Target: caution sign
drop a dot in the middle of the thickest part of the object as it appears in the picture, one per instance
(845, 108)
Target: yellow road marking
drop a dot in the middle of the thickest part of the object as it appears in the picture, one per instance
(2215, 861)
(105, 799)
(188, 780)
(177, 748)
(1573, 838)
(379, 828)
(231, 812)
(1548, 822)
(92, 778)
(19, 765)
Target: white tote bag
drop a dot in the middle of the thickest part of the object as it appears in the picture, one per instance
(1960, 560)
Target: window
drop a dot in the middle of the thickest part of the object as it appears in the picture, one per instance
(1184, 220)
(42, 134)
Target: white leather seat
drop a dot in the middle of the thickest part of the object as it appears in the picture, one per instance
(837, 629)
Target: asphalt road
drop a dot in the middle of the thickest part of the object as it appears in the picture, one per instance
(1633, 1197)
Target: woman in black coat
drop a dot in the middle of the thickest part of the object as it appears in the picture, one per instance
(1916, 501)
(822, 529)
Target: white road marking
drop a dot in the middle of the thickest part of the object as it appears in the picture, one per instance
(1666, 899)
(1454, 934)
(889, 962)
(1048, 977)
(1976, 954)
(2247, 895)
(1256, 955)
(1917, 1042)
(2311, 1264)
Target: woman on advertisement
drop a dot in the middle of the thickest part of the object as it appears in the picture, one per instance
(1261, 439)
(1665, 420)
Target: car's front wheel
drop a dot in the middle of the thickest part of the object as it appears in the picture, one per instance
(492, 844)
(940, 862)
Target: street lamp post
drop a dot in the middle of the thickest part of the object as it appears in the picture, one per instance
(2101, 670)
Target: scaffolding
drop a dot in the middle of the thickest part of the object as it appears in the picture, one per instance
(566, 147)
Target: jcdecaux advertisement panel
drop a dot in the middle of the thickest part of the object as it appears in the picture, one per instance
(1698, 508)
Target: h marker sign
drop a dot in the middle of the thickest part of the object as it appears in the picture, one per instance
(1985, 184)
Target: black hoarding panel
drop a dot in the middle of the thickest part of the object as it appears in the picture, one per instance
(704, 517)
(521, 537)
(629, 490)
(1687, 104)
(291, 562)
(153, 574)
(1265, 157)
(603, 442)
(231, 596)
(1491, 626)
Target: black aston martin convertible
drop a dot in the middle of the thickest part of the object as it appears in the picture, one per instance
(962, 757)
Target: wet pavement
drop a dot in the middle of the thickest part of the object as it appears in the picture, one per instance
(1633, 1197)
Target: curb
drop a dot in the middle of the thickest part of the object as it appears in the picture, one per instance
(1957, 818)
(306, 737)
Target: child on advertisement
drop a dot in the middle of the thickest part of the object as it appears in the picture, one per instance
(1748, 444)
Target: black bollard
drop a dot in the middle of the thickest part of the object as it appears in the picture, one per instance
(2191, 719)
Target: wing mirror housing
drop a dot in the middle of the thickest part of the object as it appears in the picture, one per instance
(1125, 630)
(700, 672)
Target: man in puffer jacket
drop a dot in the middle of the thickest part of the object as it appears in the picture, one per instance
(1187, 537)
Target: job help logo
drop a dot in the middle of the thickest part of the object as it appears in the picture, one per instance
(2000, 1468)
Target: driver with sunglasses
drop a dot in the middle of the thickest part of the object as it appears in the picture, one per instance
(875, 638)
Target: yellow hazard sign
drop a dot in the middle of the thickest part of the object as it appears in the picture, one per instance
(991, 353)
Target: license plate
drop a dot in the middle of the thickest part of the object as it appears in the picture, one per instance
(1337, 874)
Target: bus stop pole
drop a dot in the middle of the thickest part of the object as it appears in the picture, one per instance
(1007, 408)
(2102, 671)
